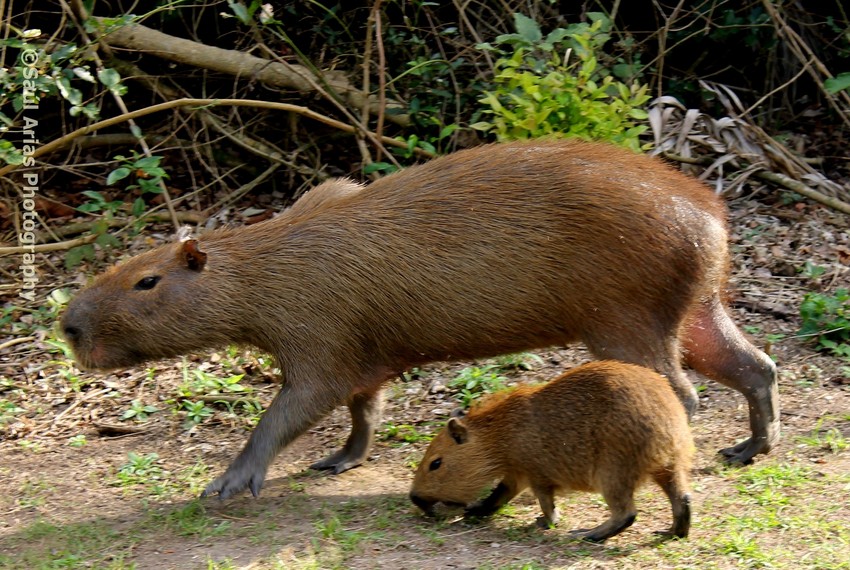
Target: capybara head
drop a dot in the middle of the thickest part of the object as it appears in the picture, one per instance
(455, 470)
(142, 309)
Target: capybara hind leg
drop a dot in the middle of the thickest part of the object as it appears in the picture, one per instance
(623, 514)
(661, 355)
(715, 347)
(365, 409)
(618, 491)
(674, 482)
(504, 492)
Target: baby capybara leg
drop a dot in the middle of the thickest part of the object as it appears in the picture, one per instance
(715, 347)
(365, 409)
(620, 498)
(546, 497)
(674, 482)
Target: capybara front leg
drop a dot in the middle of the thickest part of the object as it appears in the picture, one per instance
(715, 347)
(300, 403)
(365, 409)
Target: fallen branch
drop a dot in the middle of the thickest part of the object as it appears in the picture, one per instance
(801, 188)
(233, 62)
(46, 247)
(304, 111)
(775, 178)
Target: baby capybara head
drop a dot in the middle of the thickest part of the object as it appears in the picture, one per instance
(455, 470)
(143, 309)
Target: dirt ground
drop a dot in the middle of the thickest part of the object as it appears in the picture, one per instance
(65, 506)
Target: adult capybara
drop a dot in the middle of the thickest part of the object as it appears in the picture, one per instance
(604, 427)
(495, 249)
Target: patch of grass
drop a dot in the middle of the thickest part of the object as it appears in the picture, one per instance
(33, 493)
(518, 361)
(8, 411)
(78, 440)
(139, 469)
(404, 433)
(831, 439)
(205, 383)
(47, 545)
(32, 446)
(475, 381)
(190, 520)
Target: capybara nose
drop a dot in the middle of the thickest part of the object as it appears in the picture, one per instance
(426, 506)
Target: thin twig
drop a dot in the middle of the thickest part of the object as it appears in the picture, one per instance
(46, 247)
(818, 70)
(186, 102)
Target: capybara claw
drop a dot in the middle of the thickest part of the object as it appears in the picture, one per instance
(234, 482)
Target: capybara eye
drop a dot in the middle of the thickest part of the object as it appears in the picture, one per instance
(435, 464)
(146, 283)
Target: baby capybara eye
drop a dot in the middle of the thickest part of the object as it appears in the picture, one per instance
(146, 283)
(435, 464)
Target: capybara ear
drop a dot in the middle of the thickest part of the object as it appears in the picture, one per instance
(457, 430)
(458, 413)
(191, 255)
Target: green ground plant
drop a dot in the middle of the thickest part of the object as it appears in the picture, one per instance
(552, 86)
(206, 383)
(826, 318)
(139, 411)
(139, 469)
(476, 381)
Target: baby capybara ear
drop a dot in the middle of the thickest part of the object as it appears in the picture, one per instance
(191, 255)
(458, 431)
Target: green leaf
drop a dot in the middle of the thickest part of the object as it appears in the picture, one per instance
(116, 175)
(481, 126)
(109, 77)
(527, 28)
(447, 131)
(838, 83)
(147, 162)
(94, 195)
(76, 255)
(240, 11)
(378, 167)
(138, 207)
(107, 240)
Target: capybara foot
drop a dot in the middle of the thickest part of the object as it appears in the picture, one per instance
(339, 462)
(236, 479)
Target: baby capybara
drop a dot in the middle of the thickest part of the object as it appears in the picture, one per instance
(495, 249)
(603, 427)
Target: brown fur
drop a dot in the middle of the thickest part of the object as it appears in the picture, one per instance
(603, 427)
(495, 249)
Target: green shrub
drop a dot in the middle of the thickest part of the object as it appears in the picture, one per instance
(827, 319)
(552, 86)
